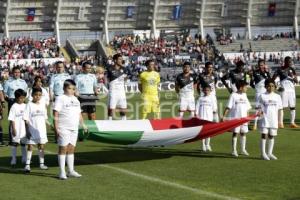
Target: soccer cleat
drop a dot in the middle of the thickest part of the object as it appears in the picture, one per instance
(272, 157)
(62, 176)
(27, 169)
(245, 153)
(265, 157)
(43, 167)
(235, 154)
(208, 147)
(293, 125)
(280, 125)
(74, 174)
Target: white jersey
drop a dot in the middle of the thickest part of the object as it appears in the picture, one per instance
(117, 86)
(16, 115)
(69, 111)
(239, 105)
(206, 106)
(116, 78)
(36, 115)
(44, 99)
(270, 104)
(260, 87)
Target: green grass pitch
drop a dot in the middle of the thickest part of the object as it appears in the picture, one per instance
(180, 172)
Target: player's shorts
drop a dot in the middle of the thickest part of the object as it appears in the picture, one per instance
(186, 104)
(117, 101)
(88, 103)
(37, 141)
(66, 137)
(150, 104)
(270, 131)
(288, 99)
(17, 140)
(241, 129)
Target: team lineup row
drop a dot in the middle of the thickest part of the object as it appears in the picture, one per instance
(63, 92)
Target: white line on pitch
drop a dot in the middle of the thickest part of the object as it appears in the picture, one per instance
(158, 180)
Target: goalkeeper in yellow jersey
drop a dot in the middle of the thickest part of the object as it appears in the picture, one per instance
(148, 85)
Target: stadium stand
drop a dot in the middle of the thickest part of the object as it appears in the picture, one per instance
(174, 30)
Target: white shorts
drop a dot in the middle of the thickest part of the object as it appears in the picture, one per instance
(66, 137)
(186, 104)
(288, 99)
(117, 101)
(37, 141)
(19, 140)
(241, 129)
(270, 131)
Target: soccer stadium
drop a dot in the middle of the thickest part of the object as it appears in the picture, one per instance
(149, 99)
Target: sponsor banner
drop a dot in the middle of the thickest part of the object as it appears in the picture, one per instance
(232, 56)
(47, 61)
(132, 87)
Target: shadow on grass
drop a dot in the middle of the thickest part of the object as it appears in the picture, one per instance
(112, 154)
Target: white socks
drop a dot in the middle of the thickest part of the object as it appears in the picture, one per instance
(123, 117)
(14, 154)
(234, 141)
(263, 147)
(62, 163)
(243, 143)
(270, 146)
(70, 162)
(41, 157)
(29, 155)
(207, 141)
(293, 116)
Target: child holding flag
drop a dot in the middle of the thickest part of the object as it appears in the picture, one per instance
(239, 106)
(67, 116)
(35, 117)
(270, 105)
(17, 126)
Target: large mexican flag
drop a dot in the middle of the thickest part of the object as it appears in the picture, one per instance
(162, 132)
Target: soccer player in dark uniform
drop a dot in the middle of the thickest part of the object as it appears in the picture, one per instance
(234, 76)
(257, 82)
(288, 79)
(116, 76)
(208, 78)
(184, 86)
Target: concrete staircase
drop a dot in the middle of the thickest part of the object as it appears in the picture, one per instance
(260, 45)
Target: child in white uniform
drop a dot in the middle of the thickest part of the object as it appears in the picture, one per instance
(35, 117)
(206, 109)
(270, 105)
(67, 116)
(239, 106)
(18, 131)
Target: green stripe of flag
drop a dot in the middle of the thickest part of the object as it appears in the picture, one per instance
(113, 137)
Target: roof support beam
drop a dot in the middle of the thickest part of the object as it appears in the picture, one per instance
(201, 25)
(56, 25)
(6, 26)
(296, 27)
